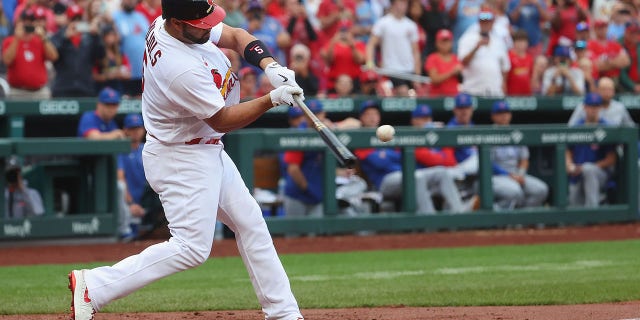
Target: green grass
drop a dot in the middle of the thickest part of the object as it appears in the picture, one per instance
(502, 275)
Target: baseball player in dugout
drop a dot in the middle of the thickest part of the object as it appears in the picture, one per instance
(190, 99)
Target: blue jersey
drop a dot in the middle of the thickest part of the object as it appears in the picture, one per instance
(377, 163)
(131, 164)
(132, 28)
(529, 20)
(90, 121)
(268, 34)
(468, 11)
(311, 164)
(583, 153)
(461, 153)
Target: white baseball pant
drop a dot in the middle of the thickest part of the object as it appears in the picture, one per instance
(195, 181)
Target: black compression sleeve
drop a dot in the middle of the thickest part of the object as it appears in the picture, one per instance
(255, 51)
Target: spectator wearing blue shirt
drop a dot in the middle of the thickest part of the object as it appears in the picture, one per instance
(268, 30)
(100, 124)
(528, 15)
(132, 27)
(464, 13)
(589, 166)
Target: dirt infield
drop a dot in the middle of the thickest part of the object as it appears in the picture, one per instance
(31, 254)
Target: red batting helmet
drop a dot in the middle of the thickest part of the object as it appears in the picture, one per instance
(203, 14)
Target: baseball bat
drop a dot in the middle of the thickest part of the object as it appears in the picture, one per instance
(401, 75)
(345, 156)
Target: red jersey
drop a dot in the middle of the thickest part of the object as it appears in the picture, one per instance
(519, 77)
(602, 51)
(276, 10)
(428, 157)
(448, 87)
(28, 70)
(343, 61)
(569, 17)
(148, 12)
(328, 7)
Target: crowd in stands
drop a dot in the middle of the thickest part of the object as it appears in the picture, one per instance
(341, 48)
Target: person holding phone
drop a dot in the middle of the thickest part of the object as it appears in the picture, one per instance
(561, 77)
(484, 57)
(79, 52)
(25, 54)
(343, 55)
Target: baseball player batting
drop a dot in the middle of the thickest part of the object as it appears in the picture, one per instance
(190, 99)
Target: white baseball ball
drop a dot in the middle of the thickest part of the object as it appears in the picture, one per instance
(385, 132)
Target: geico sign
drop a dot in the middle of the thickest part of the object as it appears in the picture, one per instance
(59, 107)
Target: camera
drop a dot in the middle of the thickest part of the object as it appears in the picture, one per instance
(29, 29)
(11, 175)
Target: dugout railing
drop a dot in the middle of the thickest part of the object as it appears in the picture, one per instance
(85, 170)
(59, 117)
(548, 141)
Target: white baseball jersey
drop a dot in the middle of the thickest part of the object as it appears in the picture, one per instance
(197, 183)
(189, 82)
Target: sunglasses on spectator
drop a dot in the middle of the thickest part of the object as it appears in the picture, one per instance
(485, 16)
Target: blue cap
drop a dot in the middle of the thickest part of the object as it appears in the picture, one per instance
(562, 51)
(133, 120)
(314, 105)
(368, 104)
(463, 100)
(500, 106)
(582, 26)
(295, 112)
(421, 110)
(109, 96)
(592, 99)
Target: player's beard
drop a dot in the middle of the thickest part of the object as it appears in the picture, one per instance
(194, 39)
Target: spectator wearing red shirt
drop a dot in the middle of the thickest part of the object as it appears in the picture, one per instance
(41, 11)
(370, 84)
(443, 67)
(630, 76)
(150, 9)
(331, 12)
(565, 17)
(519, 76)
(25, 54)
(276, 8)
(343, 55)
(608, 56)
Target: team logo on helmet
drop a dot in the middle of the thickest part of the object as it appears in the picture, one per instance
(211, 5)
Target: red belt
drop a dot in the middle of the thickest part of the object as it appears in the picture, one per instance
(203, 141)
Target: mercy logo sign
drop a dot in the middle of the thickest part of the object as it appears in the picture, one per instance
(18, 230)
(90, 227)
